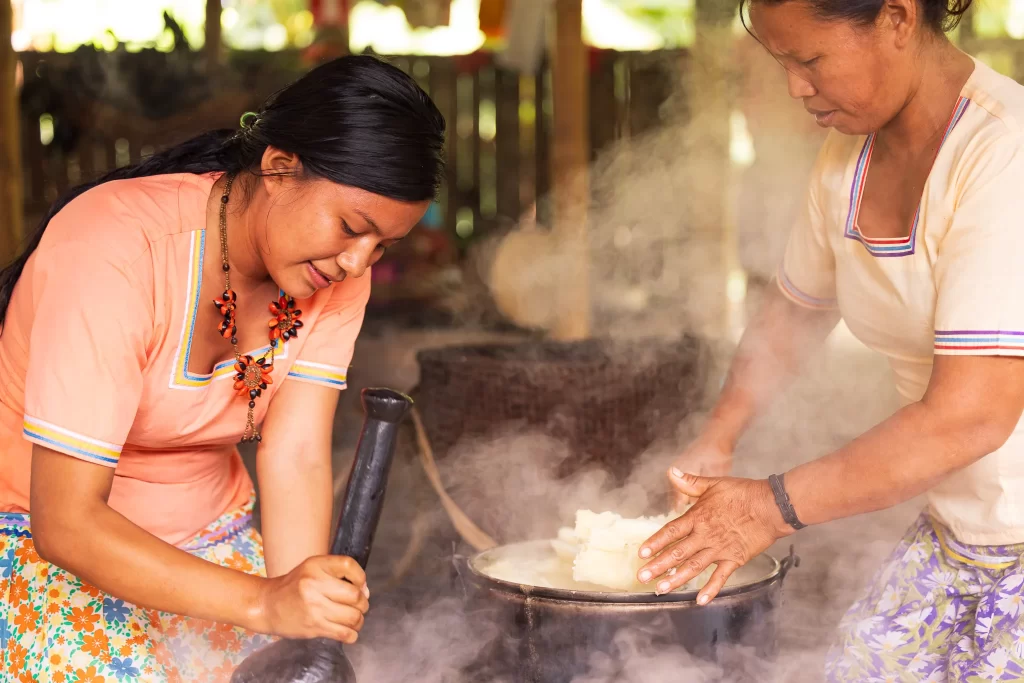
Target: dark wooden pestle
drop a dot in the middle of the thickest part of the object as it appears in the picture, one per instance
(322, 660)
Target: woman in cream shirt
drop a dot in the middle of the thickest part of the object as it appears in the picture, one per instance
(913, 233)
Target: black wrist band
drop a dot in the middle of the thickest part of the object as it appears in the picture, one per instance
(782, 500)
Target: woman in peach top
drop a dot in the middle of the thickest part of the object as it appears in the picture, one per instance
(913, 233)
(212, 293)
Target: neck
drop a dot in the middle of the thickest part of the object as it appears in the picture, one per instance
(243, 232)
(934, 93)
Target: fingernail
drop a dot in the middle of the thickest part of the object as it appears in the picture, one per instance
(645, 576)
(663, 587)
(645, 552)
(676, 472)
(366, 591)
(702, 600)
(671, 572)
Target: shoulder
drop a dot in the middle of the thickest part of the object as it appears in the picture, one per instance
(995, 103)
(123, 219)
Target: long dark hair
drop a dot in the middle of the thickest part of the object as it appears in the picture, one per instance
(356, 121)
(938, 15)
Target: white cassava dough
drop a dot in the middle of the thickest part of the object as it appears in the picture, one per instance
(607, 550)
(601, 553)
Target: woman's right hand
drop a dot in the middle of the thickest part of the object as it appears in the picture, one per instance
(707, 456)
(324, 597)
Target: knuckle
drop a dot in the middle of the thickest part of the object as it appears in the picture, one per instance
(678, 553)
(672, 529)
(695, 566)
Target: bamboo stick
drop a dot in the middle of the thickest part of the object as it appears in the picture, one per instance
(12, 199)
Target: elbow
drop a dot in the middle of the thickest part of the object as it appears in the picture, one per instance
(975, 434)
(52, 536)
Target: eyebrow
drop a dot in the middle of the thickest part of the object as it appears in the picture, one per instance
(370, 222)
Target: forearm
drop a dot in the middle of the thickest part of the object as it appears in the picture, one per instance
(774, 347)
(297, 498)
(897, 460)
(105, 549)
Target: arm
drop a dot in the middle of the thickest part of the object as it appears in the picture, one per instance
(970, 408)
(293, 466)
(75, 529)
(773, 349)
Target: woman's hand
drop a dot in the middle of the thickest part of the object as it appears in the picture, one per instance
(732, 521)
(704, 457)
(324, 597)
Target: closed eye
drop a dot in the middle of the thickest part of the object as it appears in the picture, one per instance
(347, 230)
(810, 62)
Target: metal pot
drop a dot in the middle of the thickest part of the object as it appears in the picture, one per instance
(550, 634)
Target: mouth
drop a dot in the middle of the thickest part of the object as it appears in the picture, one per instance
(823, 117)
(320, 280)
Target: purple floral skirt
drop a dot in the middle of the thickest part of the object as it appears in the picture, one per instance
(938, 610)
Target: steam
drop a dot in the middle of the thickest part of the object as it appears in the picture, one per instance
(653, 275)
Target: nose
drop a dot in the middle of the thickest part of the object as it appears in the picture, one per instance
(798, 87)
(355, 260)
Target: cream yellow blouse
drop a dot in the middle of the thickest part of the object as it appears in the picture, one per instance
(955, 286)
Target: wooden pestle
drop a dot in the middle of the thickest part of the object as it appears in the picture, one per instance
(322, 660)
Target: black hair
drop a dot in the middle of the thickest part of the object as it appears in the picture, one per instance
(938, 15)
(356, 121)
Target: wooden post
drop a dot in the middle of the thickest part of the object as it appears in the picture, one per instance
(211, 49)
(12, 196)
(709, 83)
(569, 165)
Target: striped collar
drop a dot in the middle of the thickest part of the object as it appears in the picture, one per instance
(888, 246)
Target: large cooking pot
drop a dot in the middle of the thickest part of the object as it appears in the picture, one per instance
(550, 634)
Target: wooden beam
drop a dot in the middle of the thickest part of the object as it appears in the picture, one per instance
(709, 84)
(570, 156)
(212, 46)
(12, 197)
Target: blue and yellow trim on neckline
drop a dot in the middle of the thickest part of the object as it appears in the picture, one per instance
(888, 247)
(181, 378)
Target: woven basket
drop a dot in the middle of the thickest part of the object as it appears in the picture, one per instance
(606, 401)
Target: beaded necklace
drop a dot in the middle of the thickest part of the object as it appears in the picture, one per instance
(252, 376)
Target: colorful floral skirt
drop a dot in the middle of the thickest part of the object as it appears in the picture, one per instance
(938, 610)
(54, 627)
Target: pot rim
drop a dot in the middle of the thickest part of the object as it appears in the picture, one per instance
(778, 573)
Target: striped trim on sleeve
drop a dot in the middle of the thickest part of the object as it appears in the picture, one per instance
(68, 442)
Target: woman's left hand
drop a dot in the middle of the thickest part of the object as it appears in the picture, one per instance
(731, 521)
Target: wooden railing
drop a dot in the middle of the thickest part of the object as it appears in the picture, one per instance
(498, 122)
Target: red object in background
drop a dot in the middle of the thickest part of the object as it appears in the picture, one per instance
(492, 17)
(329, 12)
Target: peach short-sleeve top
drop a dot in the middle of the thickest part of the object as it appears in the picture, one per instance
(94, 356)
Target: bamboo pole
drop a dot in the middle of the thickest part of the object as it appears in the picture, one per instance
(211, 48)
(570, 156)
(12, 198)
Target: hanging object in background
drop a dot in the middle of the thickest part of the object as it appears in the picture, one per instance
(427, 13)
(329, 12)
(525, 34)
(492, 16)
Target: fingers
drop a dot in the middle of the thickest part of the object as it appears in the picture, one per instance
(673, 556)
(341, 567)
(344, 593)
(718, 578)
(687, 571)
(689, 484)
(674, 531)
